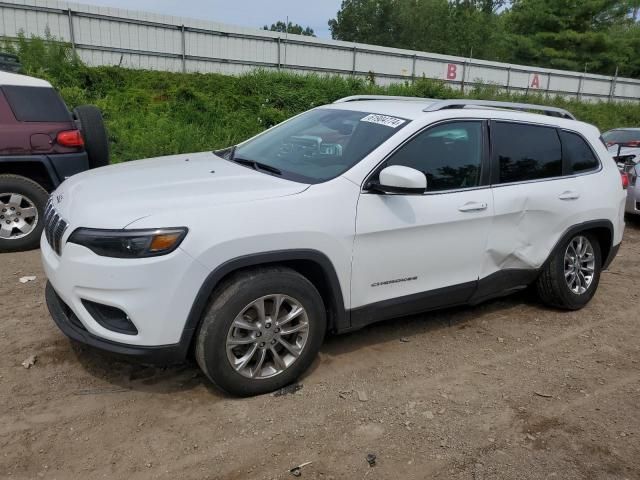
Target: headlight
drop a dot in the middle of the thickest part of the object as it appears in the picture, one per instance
(129, 243)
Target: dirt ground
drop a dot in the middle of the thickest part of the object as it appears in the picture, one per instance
(505, 390)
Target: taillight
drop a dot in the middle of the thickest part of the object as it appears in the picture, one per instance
(70, 138)
(625, 180)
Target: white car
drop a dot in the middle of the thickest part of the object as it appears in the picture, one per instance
(367, 209)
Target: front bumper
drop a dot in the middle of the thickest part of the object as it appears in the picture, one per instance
(68, 322)
(156, 294)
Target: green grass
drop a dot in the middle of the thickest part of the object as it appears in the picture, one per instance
(152, 113)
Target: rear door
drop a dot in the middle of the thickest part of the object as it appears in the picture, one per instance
(537, 195)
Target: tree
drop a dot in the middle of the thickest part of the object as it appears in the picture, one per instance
(565, 34)
(296, 29)
(367, 21)
(452, 27)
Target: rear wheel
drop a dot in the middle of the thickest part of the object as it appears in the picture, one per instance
(22, 203)
(261, 331)
(94, 133)
(571, 278)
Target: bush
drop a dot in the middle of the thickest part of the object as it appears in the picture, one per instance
(150, 113)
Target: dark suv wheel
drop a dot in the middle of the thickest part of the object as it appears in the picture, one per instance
(261, 332)
(571, 277)
(22, 203)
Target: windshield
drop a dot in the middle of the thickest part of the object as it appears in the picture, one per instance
(622, 137)
(318, 145)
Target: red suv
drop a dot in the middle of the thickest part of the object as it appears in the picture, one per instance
(41, 144)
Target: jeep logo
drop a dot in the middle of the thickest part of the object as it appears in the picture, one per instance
(59, 198)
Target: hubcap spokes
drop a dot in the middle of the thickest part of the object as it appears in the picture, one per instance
(579, 265)
(18, 216)
(267, 337)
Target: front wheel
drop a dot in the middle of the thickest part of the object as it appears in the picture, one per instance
(262, 330)
(22, 203)
(571, 277)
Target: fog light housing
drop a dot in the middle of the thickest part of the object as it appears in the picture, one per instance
(111, 318)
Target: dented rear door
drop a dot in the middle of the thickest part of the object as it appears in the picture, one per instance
(534, 204)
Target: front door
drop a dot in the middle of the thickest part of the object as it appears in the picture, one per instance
(416, 252)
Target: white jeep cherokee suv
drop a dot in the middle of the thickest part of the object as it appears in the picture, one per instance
(363, 210)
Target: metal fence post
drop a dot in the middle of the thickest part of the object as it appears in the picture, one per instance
(413, 68)
(353, 63)
(279, 54)
(72, 37)
(508, 80)
(548, 84)
(580, 83)
(464, 75)
(614, 80)
(184, 49)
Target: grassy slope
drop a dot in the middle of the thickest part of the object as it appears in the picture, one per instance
(156, 113)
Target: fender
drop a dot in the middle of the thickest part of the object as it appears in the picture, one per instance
(340, 320)
(608, 251)
(20, 165)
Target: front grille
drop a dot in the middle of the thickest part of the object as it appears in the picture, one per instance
(54, 227)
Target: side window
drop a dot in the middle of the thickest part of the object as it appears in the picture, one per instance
(577, 154)
(525, 152)
(450, 155)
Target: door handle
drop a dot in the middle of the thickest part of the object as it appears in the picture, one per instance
(569, 195)
(472, 207)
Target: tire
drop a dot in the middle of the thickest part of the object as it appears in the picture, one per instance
(237, 296)
(551, 285)
(19, 195)
(94, 133)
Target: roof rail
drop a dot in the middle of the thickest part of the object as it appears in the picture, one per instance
(357, 98)
(551, 111)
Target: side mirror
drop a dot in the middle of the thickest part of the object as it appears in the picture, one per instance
(403, 180)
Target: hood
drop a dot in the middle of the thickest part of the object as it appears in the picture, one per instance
(117, 195)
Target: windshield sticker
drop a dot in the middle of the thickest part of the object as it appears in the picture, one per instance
(385, 120)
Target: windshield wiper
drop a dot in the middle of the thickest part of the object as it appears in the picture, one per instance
(230, 154)
(256, 165)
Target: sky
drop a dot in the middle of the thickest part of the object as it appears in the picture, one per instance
(246, 13)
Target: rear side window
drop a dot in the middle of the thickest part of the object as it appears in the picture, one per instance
(525, 152)
(577, 154)
(36, 104)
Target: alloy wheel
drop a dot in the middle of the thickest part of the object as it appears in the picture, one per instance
(267, 337)
(579, 264)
